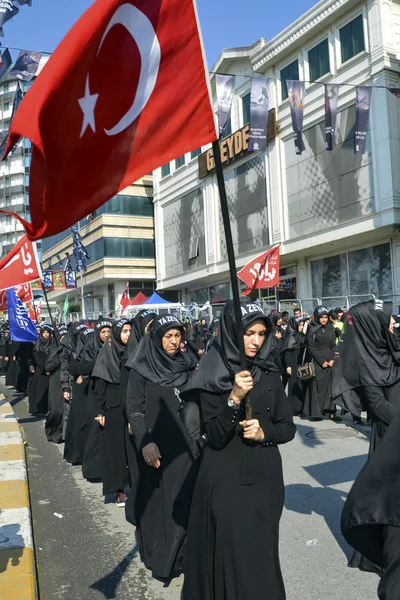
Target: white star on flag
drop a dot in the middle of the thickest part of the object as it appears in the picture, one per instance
(88, 104)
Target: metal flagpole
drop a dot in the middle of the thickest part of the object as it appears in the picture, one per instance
(81, 279)
(50, 315)
(232, 264)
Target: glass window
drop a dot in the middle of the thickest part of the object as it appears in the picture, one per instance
(120, 248)
(165, 170)
(352, 38)
(330, 277)
(288, 73)
(124, 204)
(6, 106)
(370, 271)
(228, 128)
(318, 60)
(195, 153)
(246, 108)
(6, 88)
(179, 162)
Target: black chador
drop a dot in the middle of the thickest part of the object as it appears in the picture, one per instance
(228, 556)
(89, 442)
(69, 345)
(294, 351)
(24, 356)
(12, 364)
(162, 416)
(55, 413)
(39, 390)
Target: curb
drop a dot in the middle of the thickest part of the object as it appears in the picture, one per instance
(17, 558)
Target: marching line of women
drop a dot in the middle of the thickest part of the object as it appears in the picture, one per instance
(142, 408)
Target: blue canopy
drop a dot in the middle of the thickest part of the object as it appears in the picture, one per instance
(156, 299)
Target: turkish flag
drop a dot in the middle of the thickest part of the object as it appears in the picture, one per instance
(262, 271)
(125, 300)
(21, 265)
(125, 92)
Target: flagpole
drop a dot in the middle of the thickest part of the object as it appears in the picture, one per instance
(232, 264)
(50, 315)
(81, 278)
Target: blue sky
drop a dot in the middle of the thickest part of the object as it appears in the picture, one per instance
(224, 23)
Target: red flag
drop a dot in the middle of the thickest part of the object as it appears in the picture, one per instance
(125, 92)
(262, 271)
(21, 265)
(24, 292)
(125, 300)
(32, 312)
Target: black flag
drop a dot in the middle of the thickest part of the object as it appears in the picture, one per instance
(8, 10)
(5, 62)
(258, 114)
(331, 102)
(17, 101)
(296, 100)
(78, 250)
(27, 65)
(363, 103)
(22, 2)
(225, 85)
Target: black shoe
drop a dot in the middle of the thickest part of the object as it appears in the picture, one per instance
(314, 419)
(358, 420)
(334, 418)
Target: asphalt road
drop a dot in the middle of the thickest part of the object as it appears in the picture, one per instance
(90, 553)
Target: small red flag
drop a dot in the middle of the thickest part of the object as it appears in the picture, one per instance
(125, 300)
(21, 265)
(125, 92)
(262, 271)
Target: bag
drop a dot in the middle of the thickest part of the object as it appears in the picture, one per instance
(306, 370)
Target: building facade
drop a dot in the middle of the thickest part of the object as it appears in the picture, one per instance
(334, 214)
(119, 238)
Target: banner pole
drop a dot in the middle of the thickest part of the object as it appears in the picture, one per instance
(50, 315)
(232, 264)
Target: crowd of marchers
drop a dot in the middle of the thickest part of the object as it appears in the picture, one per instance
(155, 409)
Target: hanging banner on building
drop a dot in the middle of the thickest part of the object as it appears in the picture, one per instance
(59, 280)
(225, 85)
(262, 271)
(259, 101)
(70, 279)
(21, 265)
(8, 10)
(363, 103)
(331, 104)
(296, 100)
(36, 285)
(5, 62)
(47, 278)
(26, 65)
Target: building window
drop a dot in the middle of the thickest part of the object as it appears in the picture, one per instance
(123, 204)
(165, 170)
(228, 128)
(6, 107)
(195, 153)
(179, 162)
(318, 60)
(6, 88)
(246, 108)
(352, 39)
(291, 72)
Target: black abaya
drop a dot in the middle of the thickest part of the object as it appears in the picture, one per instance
(296, 390)
(55, 414)
(233, 534)
(39, 390)
(13, 367)
(76, 418)
(24, 355)
(322, 347)
(163, 496)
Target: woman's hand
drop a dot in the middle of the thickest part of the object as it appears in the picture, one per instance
(243, 384)
(278, 335)
(32, 369)
(6, 358)
(151, 455)
(101, 420)
(252, 430)
(79, 380)
(130, 429)
(325, 364)
(66, 396)
(289, 370)
(330, 363)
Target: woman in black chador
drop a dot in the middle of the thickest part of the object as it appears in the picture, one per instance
(4, 342)
(293, 358)
(52, 366)
(166, 426)
(321, 344)
(24, 355)
(38, 393)
(371, 514)
(13, 367)
(140, 325)
(69, 345)
(110, 416)
(233, 534)
(89, 441)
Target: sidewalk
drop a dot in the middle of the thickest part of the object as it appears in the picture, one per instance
(17, 560)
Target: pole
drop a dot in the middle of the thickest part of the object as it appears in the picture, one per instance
(50, 315)
(232, 264)
(82, 298)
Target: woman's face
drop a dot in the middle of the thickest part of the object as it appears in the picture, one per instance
(254, 338)
(45, 334)
(171, 340)
(392, 324)
(279, 322)
(300, 327)
(105, 333)
(125, 333)
(324, 320)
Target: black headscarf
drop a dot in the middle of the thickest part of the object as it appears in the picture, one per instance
(369, 353)
(314, 325)
(294, 339)
(70, 339)
(108, 363)
(153, 363)
(82, 339)
(94, 344)
(42, 344)
(219, 366)
(139, 324)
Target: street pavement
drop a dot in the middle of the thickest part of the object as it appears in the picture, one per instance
(87, 551)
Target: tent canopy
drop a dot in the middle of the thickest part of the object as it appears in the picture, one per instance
(156, 299)
(140, 298)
